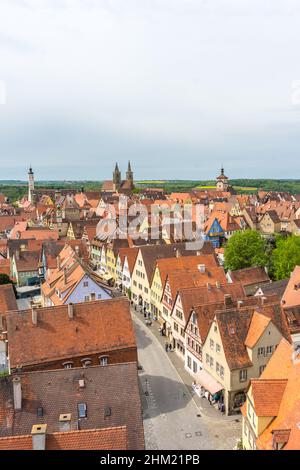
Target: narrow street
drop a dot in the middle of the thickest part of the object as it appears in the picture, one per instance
(172, 419)
(170, 414)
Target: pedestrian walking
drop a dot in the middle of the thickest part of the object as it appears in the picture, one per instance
(170, 347)
(166, 347)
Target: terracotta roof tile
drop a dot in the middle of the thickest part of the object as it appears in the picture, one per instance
(90, 439)
(114, 387)
(267, 395)
(7, 299)
(102, 325)
(291, 296)
(258, 325)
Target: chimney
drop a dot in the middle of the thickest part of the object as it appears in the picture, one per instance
(17, 254)
(177, 253)
(58, 262)
(208, 286)
(34, 316)
(201, 268)
(240, 303)
(38, 433)
(65, 422)
(77, 250)
(71, 311)
(218, 284)
(228, 300)
(17, 391)
(65, 276)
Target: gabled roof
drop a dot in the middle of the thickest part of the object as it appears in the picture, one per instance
(114, 438)
(249, 276)
(7, 298)
(98, 326)
(152, 253)
(197, 296)
(283, 367)
(130, 254)
(114, 386)
(267, 395)
(291, 296)
(233, 326)
(258, 325)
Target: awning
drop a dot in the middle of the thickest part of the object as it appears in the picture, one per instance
(208, 382)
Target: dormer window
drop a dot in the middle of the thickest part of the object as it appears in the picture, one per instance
(86, 362)
(68, 364)
(103, 360)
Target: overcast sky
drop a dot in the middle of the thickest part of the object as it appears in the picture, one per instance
(176, 86)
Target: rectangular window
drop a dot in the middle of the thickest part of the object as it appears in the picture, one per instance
(218, 368)
(195, 367)
(211, 343)
(261, 352)
(86, 298)
(222, 372)
(269, 350)
(85, 284)
(189, 362)
(82, 410)
(243, 375)
(207, 359)
(218, 348)
(211, 362)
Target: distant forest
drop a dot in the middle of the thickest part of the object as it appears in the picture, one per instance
(15, 190)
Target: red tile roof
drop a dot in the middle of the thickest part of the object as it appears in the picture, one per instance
(249, 276)
(291, 296)
(7, 299)
(267, 395)
(258, 325)
(88, 439)
(99, 326)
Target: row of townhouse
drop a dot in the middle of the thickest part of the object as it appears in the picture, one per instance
(223, 336)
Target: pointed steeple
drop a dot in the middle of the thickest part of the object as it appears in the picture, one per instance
(129, 175)
(117, 176)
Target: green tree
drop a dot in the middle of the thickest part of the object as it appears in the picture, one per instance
(4, 279)
(285, 257)
(245, 250)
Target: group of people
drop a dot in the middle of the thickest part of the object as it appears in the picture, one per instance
(168, 347)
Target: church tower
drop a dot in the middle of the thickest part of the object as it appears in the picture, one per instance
(222, 181)
(117, 177)
(129, 175)
(30, 184)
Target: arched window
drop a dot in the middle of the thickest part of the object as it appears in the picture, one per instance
(68, 364)
(103, 360)
(86, 362)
